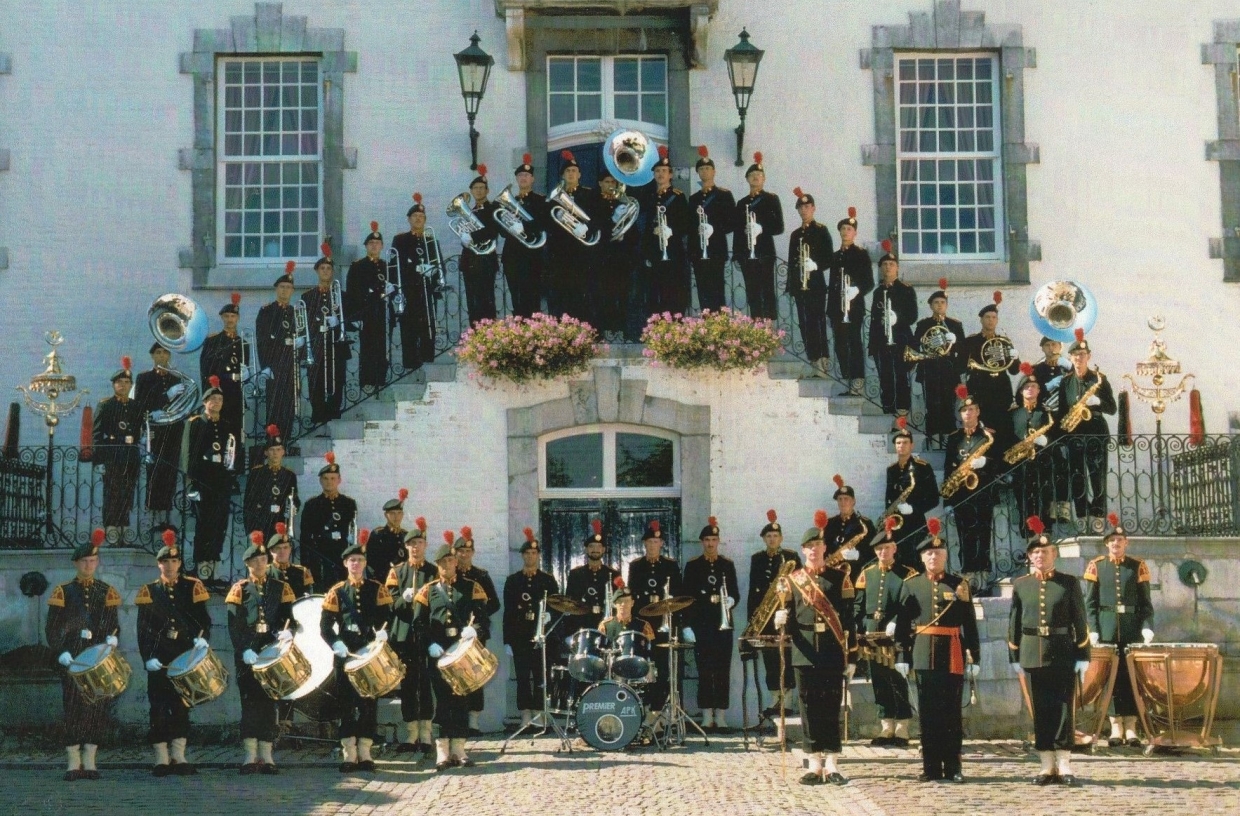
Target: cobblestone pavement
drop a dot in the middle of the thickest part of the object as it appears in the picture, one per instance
(720, 779)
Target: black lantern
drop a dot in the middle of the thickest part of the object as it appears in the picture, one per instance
(474, 67)
(743, 59)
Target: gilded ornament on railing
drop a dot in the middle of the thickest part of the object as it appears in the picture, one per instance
(1157, 367)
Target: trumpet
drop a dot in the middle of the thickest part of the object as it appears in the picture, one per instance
(705, 231)
(567, 214)
(845, 285)
(752, 230)
(725, 610)
(808, 265)
(230, 452)
(888, 323)
(301, 330)
(464, 223)
(625, 215)
(512, 217)
(662, 230)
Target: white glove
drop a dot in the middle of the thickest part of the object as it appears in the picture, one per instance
(407, 595)
(580, 229)
(689, 636)
(201, 643)
(154, 665)
(973, 670)
(731, 602)
(852, 554)
(176, 390)
(102, 469)
(84, 634)
(284, 635)
(546, 617)
(339, 649)
(333, 321)
(266, 374)
(902, 668)
(1020, 672)
(951, 337)
(469, 632)
(1094, 400)
(466, 241)
(781, 618)
(193, 495)
(248, 657)
(890, 631)
(1082, 666)
(65, 659)
(435, 651)
(851, 292)
(112, 641)
(1041, 441)
(905, 508)
(299, 342)
(1093, 638)
(979, 462)
(1015, 353)
(1147, 635)
(891, 317)
(508, 649)
(849, 671)
(381, 636)
(390, 289)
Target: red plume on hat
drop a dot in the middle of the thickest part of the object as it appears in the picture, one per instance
(528, 532)
(527, 158)
(98, 536)
(886, 245)
(902, 422)
(257, 537)
(852, 212)
(289, 266)
(567, 155)
(820, 519)
(214, 381)
(326, 249)
(273, 430)
(363, 537)
(617, 582)
(330, 456)
(281, 528)
(482, 170)
(703, 152)
(890, 524)
(1026, 369)
(1035, 525)
(998, 297)
(449, 537)
(942, 283)
(1113, 519)
(934, 526)
(654, 525)
(770, 515)
(170, 538)
(236, 298)
(962, 391)
(597, 524)
(403, 493)
(126, 362)
(417, 198)
(757, 157)
(467, 533)
(662, 151)
(1079, 334)
(838, 479)
(796, 191)
(374, 226)
(420, 523)
(712, 521)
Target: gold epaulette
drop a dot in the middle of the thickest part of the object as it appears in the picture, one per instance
(392, 580)
(259, 467)
(861, 579)
(330, 602)
(676, 191)
(911, 573)
(920, 461)
(1143, 570)
(424, 594)
(235, 591)
(846, 589)
(57, 598)
(287, 595)
(383, 597)
(199, 594)
(144, 596)
(309, 575)
(113, 598)
(1091, 569)
(480, 594)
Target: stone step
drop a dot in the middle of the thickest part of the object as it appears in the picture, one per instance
(312, 447)
(818, 389)
(440, 372)
(788, 369)
(875, 424)
(348, 429)
(371, 410)
(403, 392)
(853, 406)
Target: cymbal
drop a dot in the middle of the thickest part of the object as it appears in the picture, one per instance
(566, 605)
(678, 645)
(666, 607)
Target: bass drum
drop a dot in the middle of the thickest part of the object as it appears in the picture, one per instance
(609, 715)
(315, 698)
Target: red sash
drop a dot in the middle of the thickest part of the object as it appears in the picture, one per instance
(821, 605)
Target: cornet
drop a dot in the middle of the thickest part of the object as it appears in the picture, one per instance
(752, 230)
(511, 216)
(568, 215)
(725, 610)
(464, 223)
(662, 230)
(705, 231)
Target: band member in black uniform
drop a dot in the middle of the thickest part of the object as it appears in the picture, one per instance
(939, 375)
(910, 471)
(1087, 443)
(277, 344)
(973, 508)
(325, 524)
(758, 261)
(355, 614)
(80, 614)
(818, 617)
(270, 488)
(420, 262)
(710, 579)
(368, 293)
(1048, 642)
(118, 425)
(591, 583)
(523, 266)
(1049, 372)
(154, 391)
(570, 263)
(848, 532)
(1117, 603)
(937, 635)
(764, 566)
(615, 260)
(298, 577)
(893, 313)
(524, 592)
(479, 270)
(404, 581)
(325, 379)
(1051, 368)
(260, 609)
(667, 227)
(852, 278)
(809, 256)
(212, 451)
(465, 568)
(1032, 478)
(172, 619)
(877, 602)
(651, 577)
(221, 356)
(718, 205)
(992, 389)
(386, 547)
(455, 608)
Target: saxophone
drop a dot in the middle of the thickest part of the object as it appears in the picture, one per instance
(1027, 448)
(836, 559)
(1080, 411)
(965, 475)
(892, 510)
(770, 602)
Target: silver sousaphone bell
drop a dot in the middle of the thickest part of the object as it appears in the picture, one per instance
(630, 155)
(179, 325)
(1059, 308)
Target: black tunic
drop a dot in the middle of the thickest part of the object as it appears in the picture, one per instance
(324, 534)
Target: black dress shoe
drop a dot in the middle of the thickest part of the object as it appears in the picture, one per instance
(810, 778)
(1115, 742)
(268, 769)
(92, 775)
(897, 742)
(440, 767)
(345, 767)
(250, 768)
(957, 777)
(160, 771)
(1046, 779)
(72, 776)
(184, 769)
(1133, 743)
(881, 742)
(474, 732)
(925, 777)
(466, 762)
(407, 748)
(366, 766)
(836, 778)
(1068, 781)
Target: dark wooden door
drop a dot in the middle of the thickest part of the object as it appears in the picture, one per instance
(567, 522)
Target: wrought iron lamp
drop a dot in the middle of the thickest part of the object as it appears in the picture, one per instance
(743, 60)
(473, 65)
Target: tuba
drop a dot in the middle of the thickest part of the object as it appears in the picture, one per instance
(1059, 308)
(567, 214)
(625, 214)
(464, 223)
(512, 217)
(178, 323)
(181, 405)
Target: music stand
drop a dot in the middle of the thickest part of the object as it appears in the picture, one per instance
(548, 720)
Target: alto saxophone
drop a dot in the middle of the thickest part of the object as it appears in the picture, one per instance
(837, 558)
(770, 602)
(1027, 447)
(1080, 411)
(893, 509)
(965, 475)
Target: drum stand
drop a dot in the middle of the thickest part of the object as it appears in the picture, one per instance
(548, 721)
(673, 716)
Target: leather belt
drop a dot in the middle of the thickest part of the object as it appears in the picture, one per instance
(950, 631)
(1046, 631)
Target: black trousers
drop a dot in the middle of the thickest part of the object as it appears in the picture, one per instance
(615, 274)
(974, 517)
(1033, 490)
(372, 345)
(893, 379)
(478, 272)
(527, 664)
(325, 380)
(759, 275)
(848, 347)
(120, 480)
(417, 702)
(523, 269)
(657, 692)
(84, 722)
(281, 393)
(1053, 692)
(417, 326)
(258, 710)
(938, 381)
(820, 692)
(169, 714)
(1123, 698)
(1087, 474)
(713, 655)
(770, 666)
(669, 285)
(212, 509)
(161, 474)
(710, 286)
(941, 718)
(451, 710)
(358, 715)
(475, 701)
(890, 693)
(812, 315)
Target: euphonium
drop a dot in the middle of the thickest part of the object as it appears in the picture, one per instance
(512, 217)
(567, 214)
(625, 214)
(1027, 447)
(705, 231)
(965, 475)
(464, 223)
(1080, 412)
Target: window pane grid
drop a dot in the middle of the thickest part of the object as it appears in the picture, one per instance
(948, 156)
(584, 89)
(270, 122)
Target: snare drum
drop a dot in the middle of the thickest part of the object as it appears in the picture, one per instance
(631, 659)
(198, 676)
(100, 673)
(376, 670)
(585, 655)
(467, 666)
(609, 715)
(281, 669)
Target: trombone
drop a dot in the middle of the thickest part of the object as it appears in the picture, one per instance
(398, 299)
